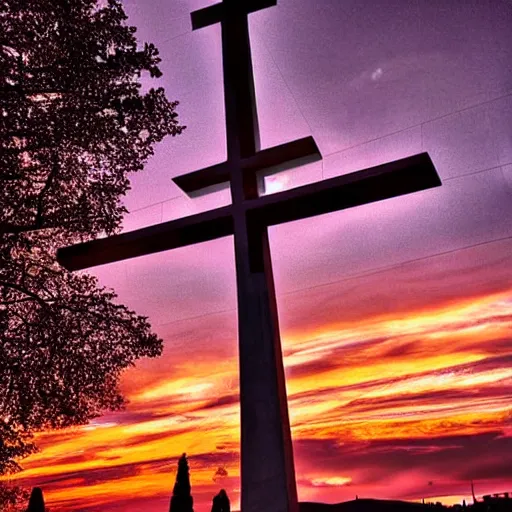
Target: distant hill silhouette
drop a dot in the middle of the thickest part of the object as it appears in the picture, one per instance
(365, 505)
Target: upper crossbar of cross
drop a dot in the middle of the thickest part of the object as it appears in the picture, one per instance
(243, 146)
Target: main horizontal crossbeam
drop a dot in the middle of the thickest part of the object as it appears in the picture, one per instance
(392, 179)
(160, 237)
(404, 176)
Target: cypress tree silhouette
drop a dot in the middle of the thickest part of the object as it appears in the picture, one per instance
(221, 502)
(181, 500)
(36, 501)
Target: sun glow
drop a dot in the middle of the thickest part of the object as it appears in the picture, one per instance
(330, 482)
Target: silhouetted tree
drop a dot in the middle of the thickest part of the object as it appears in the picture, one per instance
(181, 500)
(13, 498)
(19, 499)
(36, 502)
(73, 124)
(221, 502)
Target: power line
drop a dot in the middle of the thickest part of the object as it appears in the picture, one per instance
(368, 273)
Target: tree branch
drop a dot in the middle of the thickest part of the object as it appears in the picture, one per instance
(14, 229)
(28, 293)
(18, 89)
(47, 185)
(14, 177)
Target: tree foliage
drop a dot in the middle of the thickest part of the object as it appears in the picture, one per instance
(13, 498)
(74, 123)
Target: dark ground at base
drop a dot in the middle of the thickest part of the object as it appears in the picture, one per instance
(365, 505)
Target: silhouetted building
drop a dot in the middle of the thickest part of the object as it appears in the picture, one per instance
(36, 501)
(221, 502)
(500, 502)
(181, 500)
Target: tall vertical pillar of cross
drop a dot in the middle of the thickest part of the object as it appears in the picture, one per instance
(267, 468)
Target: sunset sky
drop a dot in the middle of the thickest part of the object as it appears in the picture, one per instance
(396, 317)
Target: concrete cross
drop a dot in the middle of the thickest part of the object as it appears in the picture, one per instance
(267, 469)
